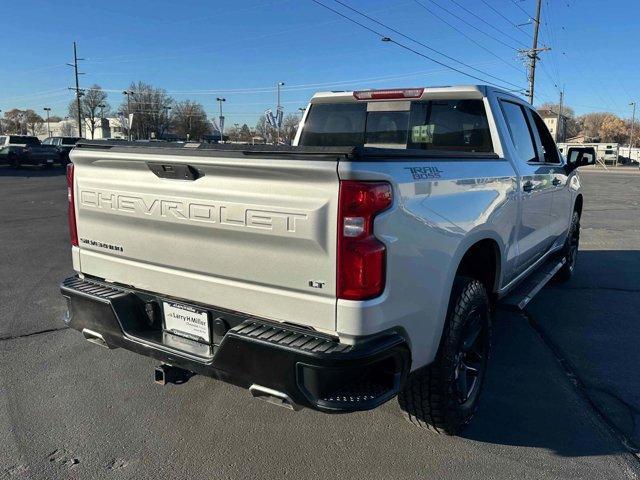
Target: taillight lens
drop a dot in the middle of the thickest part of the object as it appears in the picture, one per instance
(73, 231)
(361, 256)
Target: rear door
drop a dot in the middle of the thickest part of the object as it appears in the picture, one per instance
(533, 232)
(255, 235)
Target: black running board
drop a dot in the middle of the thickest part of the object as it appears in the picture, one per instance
(520, 297)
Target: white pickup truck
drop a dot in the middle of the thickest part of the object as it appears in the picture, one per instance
(359, 264)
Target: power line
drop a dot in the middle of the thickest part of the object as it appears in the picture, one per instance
(510, 65)
(508, 20)
(405, 47)
(300, 87)
(489, 24)
(42, 94)
(522, 9)
(368, 17)
(472, 25)
(546, 72)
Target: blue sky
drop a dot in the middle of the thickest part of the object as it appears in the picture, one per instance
(240, 49)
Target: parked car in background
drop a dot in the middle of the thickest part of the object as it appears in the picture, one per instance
(18, 150)
(64, 145)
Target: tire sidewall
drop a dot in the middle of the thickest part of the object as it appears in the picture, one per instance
(575, 226)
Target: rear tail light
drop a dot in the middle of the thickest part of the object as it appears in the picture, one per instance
(73, 230)
(361, 256)
(395, 94)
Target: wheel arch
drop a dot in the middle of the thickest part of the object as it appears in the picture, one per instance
(481, 258)
(473, 254)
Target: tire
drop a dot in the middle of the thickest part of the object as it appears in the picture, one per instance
(570, 250)
(443, 396)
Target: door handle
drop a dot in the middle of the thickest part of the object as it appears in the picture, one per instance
(556, 181)
(527, 186)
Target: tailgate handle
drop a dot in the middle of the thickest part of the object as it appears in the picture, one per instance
(174, 171)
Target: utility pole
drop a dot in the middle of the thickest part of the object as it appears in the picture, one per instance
(533, 53)
(77, 88)
(48, 109)
(221, 118)
(560, 120)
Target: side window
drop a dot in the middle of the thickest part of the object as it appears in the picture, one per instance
(548, 145)
(519, 131)
(2, 141)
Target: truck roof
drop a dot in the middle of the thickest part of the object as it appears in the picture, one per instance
(460, 91)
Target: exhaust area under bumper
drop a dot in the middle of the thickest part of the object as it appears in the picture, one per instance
(281, 363)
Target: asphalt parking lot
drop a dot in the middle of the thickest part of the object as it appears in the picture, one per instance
(562, 398)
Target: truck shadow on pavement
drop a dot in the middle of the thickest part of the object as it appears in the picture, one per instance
(31, 171)
(587, 327)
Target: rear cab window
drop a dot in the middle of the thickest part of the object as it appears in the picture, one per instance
(452, 125)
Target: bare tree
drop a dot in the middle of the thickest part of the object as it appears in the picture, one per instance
(68, 129)
(149, 106)
(614, 129)
(591, 124)
(245, 133)
(93, 105)
(190, 120)
(289, 128)
(34, 122)
(265, 130)
(14, 120)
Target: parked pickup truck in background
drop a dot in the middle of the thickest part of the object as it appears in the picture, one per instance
(18, 150)
(64, 146)
(359, 264)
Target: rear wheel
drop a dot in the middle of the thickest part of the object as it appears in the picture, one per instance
(570, 249)
(444, 395)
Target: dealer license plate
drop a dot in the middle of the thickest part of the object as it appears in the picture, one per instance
(187, 321)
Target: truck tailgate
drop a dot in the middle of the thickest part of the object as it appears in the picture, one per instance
(250, 233)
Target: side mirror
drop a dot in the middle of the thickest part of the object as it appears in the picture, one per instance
(580, 157)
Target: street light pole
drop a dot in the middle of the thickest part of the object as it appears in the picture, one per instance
(128, 93)
(47, 109)
(101, 107)
(633, 124)
(280, 84)
(221, 118)
(166, 116)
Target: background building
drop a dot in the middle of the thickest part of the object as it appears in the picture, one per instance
(555, 123)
